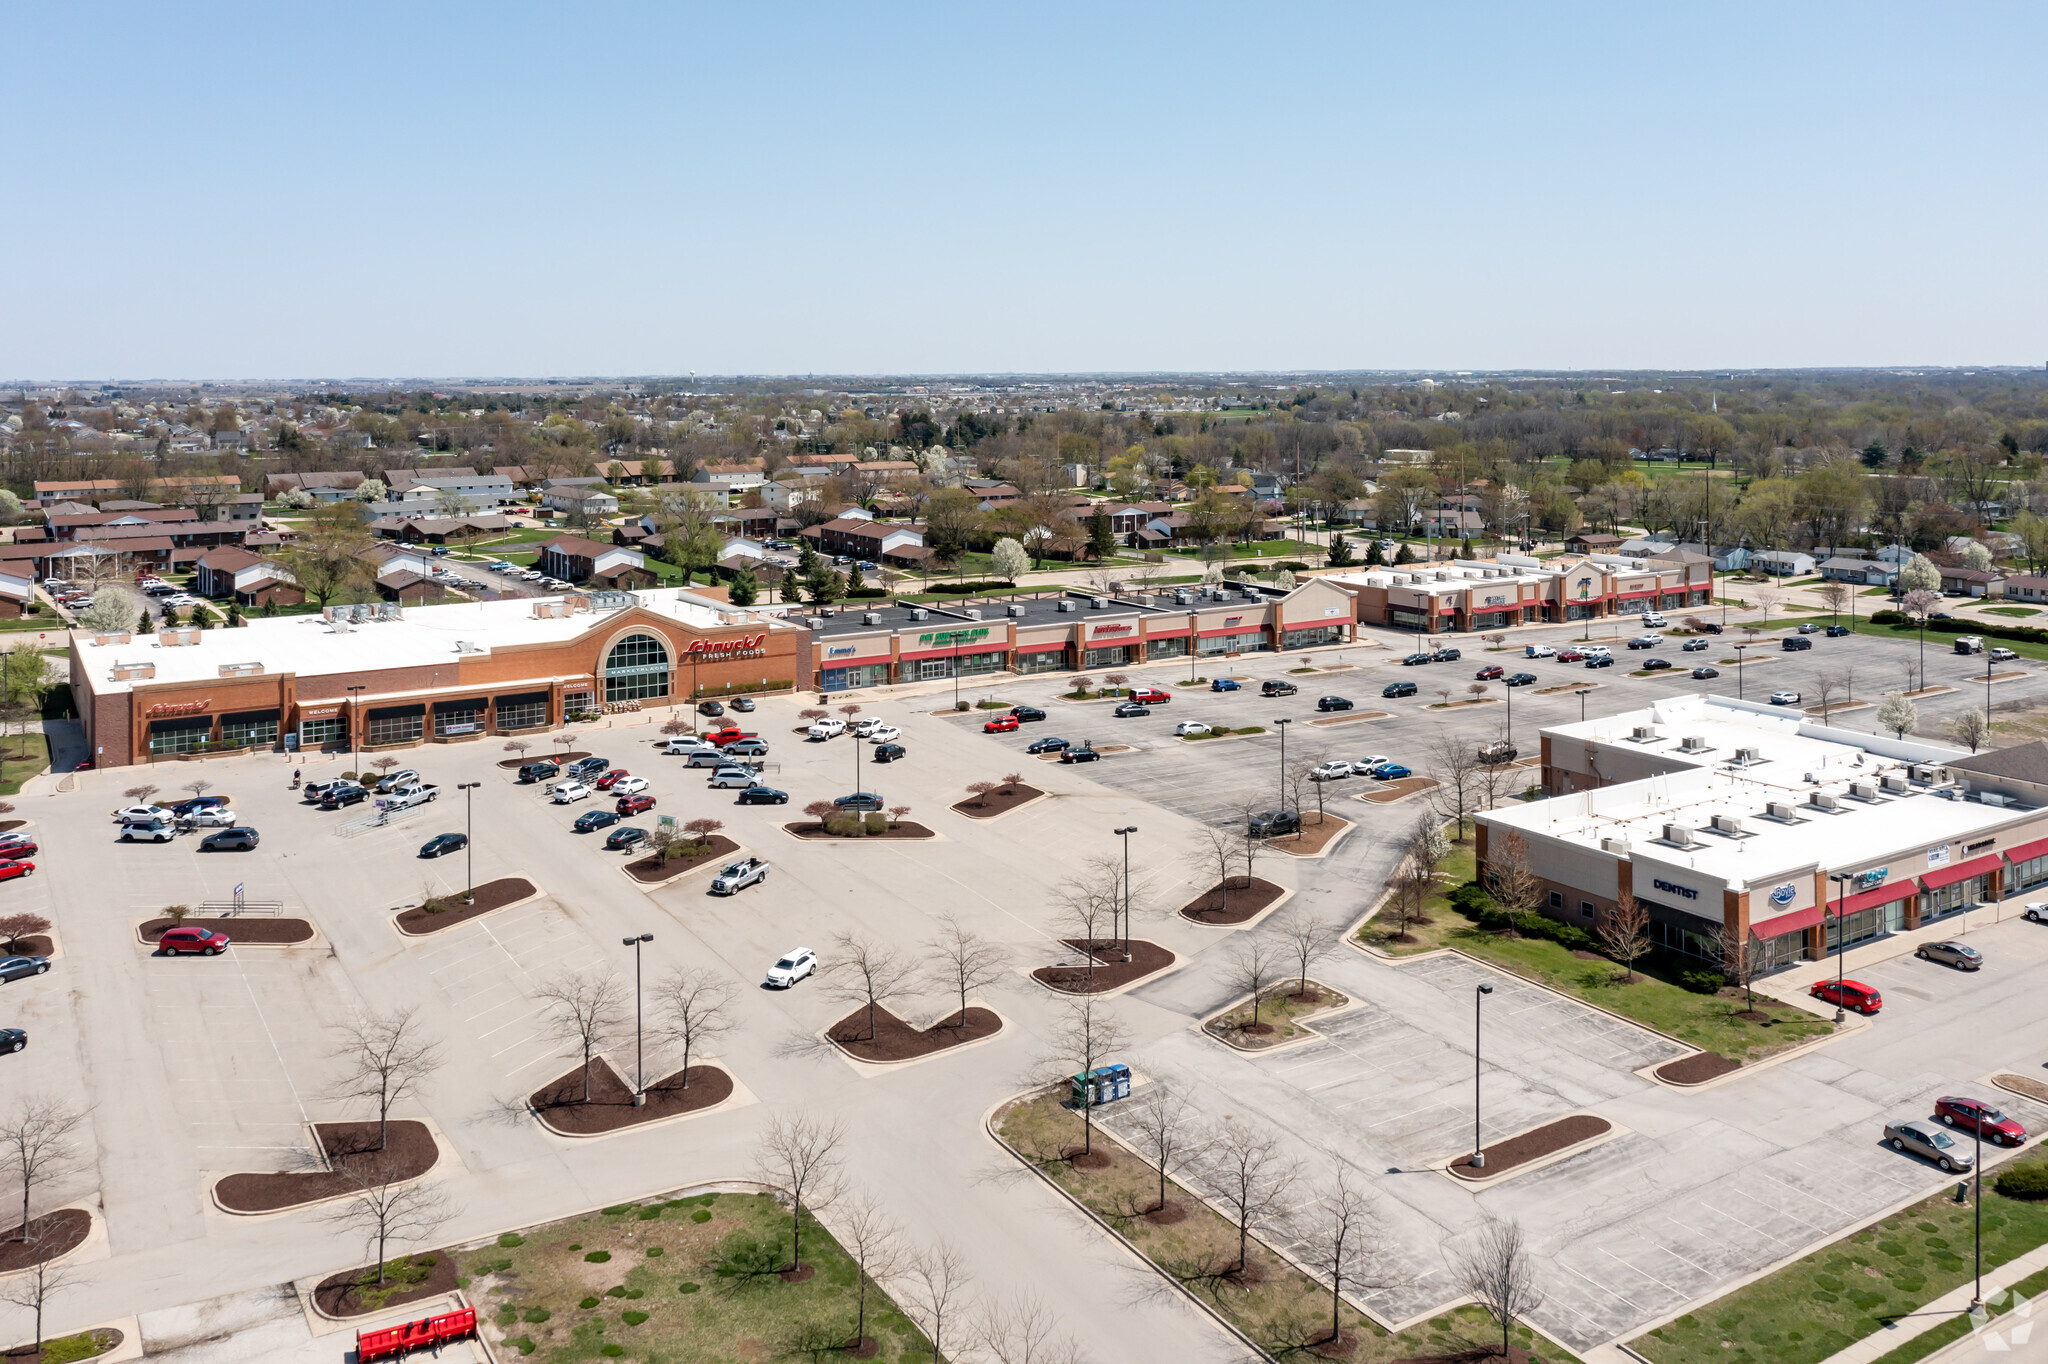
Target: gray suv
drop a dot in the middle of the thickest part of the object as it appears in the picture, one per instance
(1273, 823)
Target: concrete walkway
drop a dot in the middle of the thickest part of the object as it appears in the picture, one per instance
(1949, 1305)
(1792, 983)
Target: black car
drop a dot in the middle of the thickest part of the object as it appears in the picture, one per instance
(1079, 755)
(1046, 745)
(763, 795)
(859, 800)
(1445, 655)
(1398, 689)
(627, 837)
(198, 803)
(591, 820)
(1413, 659)
(1707, 627)
(590, 767)
(12, 1039)
(1599, 660)
(743, 704)
(1837, 631)
(1703, 672)
(238, 839)
(1273, 823)
(1129, 709)
(888, 753)
(539, 771)
(1277, 689)
(1026, 714)
(710, 708)
(444, 843)
(338, 796)
(1520, 679)
(1332, 703)
(1653, 665)
(1794, 643)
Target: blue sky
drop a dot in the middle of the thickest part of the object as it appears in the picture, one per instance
(296, 191)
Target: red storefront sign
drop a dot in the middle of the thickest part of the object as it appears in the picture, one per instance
(746, 646)
(179, 707)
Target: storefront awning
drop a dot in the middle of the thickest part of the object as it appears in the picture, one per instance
(1962, 871)
(1797, 921)
(2026, 851)
(1883, 895)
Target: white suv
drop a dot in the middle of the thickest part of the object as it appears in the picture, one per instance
(793, 967)
(568, 791)
(827, 729)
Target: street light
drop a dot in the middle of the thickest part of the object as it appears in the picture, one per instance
(1977, 1173)
(1582, 703)
(468, 843)
(1282, 726)
(1738, 670)
(639, 1057)
(1126, 833)
(355, 725)
(1841, 878)
(1478, 1151)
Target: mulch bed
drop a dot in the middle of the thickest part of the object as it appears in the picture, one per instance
(1400, 789)
(1697, 1070)
(1344, 1346)
(352, 1150)
(1009, 798)
(105, 1339)
(1111, 970)
(649, 870)
(62, 1231)
(1313, 838)
(1534, 1144)
(30, 945)
(2021, 1084)
(560, 1106)
(1212, 906)
(263, 930)
(895, 1040)
(491, 895)
(513, 764)
(905, 829)
(337, 1296)
(8, 826)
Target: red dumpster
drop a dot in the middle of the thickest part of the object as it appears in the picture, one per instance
(388, 1342)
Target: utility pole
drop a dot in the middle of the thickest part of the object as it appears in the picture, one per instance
(1126, 833)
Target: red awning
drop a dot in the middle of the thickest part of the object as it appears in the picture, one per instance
(1044, 648)
(1181, 633)
(1797, 920)
(2027, 850)
(1883, 895)
(1962, 871)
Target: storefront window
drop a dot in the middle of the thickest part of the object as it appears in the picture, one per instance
(1861, 926)
(2028, 874)
(1782, 950)
(314, 733)
(1632, 608)
(1114, 657)
(577, 704)
(253, 729)
(523, 712)
(1577, 611)
(1047, 660)
(972, 665)
(1314, 635)
(180, 736)
(1485, 620)
(462, 718)
(854, 675)
(1950, 899)
(399, 725)
(636, 669)
(1231, 644)
(1156, 649)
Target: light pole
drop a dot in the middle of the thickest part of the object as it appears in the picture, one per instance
(1987, 697)
(355, 726)
(468, 842)
(1977, 1173)
(1126, 833)
(1282, 725)
(1738, 670)
(1478, 1150)
(1841, 880)
(639, 1057)
(1582, 704)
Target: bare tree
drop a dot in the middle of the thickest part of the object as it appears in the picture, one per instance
(1971, 728)
(1166, 1132)
(1411, 887)
(1024, 1331)
(199, 787)
(1252, 967)
(1250, 1179)
(140, 794)
(1742, 961)
(1625, 930)
(1454, 762)
(1509, 879)
(799, 1156)
(1826, 685)
(1834, 596)
(37, 1145)
(937, 1284)
(32, 1288)
(1087, 903)
(1475, 690)
(874, 1243)
(1307, 936)
(1343, 1239)
(1085, 1037)
(385, 1058)
(866, 975)
(1500, 1271)
(962, 961)
(1214, 850)
(695, 1007)
(385, 1210)
(584, 1012)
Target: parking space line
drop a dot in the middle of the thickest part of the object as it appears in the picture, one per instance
(272, 1038)
(1610, 1292)
(1638, 1269)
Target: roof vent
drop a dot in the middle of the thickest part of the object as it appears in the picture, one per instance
(1013, 610)
(468, 646)
(1692, 743)
(1098, 602)
(1065, 604)
(918, 613)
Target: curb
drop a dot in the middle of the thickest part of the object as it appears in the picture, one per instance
(625, 870)
(933, 837)
(1329, 844)
(318, 939)
(443, 1150)
(1614, 1130)
(740, 1097)
(868, 1068)
(95, 1237)
(1286, 894)
(1350, 1002)
(1176, 964)
(1000, 814)
(538, 894)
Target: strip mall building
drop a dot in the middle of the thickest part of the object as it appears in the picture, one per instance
(1480, 595)
(1717, 815)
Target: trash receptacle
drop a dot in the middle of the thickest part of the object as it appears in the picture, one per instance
(1118, 1083)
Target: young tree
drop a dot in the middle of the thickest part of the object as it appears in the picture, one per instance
(875, 1246)
(1215, 849)
(1307, 936)
(1476, 689)
(1897, 714)
(962, 961)
(15, 927)
(937, 1285)
(701, 830)
(1509, 879)
(140, 794)
(813, 714)
(1499, 1270)
(1972, 728)
(199, 787)
(1343, 1239)
(1625, 930)
(1834, 596)
(897, 814)
(518, 747)
(982, 790)
(1165, 1131)
(866, 975)
(1088, 905)
(1455, 765)
(1742, 961)
(1008, 560)
(31, 1289)
(584, 1012)
(386, 1210)
(1024, 1331)
(384, 764)
(38, 1146)
(1084, 1039)
(1251, 1180)
(1116, 681)
(799, 1157)
(1251, 967)
(385, 1058)
(695, 1007)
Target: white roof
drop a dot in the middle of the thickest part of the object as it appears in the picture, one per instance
(422, 636)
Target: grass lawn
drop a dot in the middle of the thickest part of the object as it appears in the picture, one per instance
(21, 756)
(2011, 611)
(1444, 921)
(688, 1281)
(1845, 1291)
(1282, 1309)
(1281, 1011)
(84, 1345)
(1258, 549)
(1943, 642)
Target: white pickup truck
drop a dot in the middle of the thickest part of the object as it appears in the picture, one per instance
(405, 797)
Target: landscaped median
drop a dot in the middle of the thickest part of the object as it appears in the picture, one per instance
(1275, 1015)
(1828, 1300)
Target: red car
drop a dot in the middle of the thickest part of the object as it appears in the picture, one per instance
(1974, 1115)
(1002, 724)
(17, 845)
(1850, 994)
(10, 870)
(633, 805)
(731, 734)
(1491, 671)
(611, 779)
(1571, 656)
(182, 939)
(1150, 696)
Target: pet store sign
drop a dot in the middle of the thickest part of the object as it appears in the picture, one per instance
(948, 638)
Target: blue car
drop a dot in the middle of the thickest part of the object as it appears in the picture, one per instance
(1390, 772)
(595, 819)
(1225, 684)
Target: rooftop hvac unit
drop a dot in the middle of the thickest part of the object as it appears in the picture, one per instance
(1013, 610)
(817, 622)
(1778, 809)
(1892, 781)
(918, 613)
(1614, 845)
(1749, 755)
(1184, 597)
(1727, 824)
(870, 618)
(1098, 602)
(1679, 834)
(973, 613)
(1825, 800)
(1065, 604)
(1692, 743)
(1645, 733)
(1863, 790)
(389, 610)
(1990, 798)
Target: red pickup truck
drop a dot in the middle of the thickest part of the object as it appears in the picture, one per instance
(731, 734)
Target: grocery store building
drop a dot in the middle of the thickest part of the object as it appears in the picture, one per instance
(1721, 815)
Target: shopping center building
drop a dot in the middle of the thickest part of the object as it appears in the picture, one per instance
(1481, 595)
(1720, 815)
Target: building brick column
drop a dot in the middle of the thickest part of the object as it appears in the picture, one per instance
(1912, 911)
(1817, 941)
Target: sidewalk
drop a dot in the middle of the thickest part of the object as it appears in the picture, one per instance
(1949, 1305)
(1794, 980)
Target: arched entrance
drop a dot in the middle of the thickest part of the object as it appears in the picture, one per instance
(636, 669)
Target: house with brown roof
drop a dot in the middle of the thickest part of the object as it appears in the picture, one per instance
(250, 579)
(861, 537)
(574, 559)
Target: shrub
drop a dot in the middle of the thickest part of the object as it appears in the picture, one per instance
(686, 1288)
(536, 1315)
(1701, 980)
(589, 1303)
(598, 1257)
(613, 1351)
(843, 825)
(634, 1318)
(2029, 1182)
(654, 1251)
(511, 1240)
(878, 824)
(523, 1344)
(701, 1215)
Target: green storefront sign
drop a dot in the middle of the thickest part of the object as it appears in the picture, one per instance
(947, 638)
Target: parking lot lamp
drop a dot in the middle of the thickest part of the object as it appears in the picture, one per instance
(1126, 833)
(468, 843)
(639, 1057)
(355, 724)
(1977, 1174)
(1582, 703)
(1478, 1149)
(1282, 725)
(1987, 696)
(1841, 880)
(1738, 670)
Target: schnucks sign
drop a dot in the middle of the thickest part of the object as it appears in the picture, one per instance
(746, 646)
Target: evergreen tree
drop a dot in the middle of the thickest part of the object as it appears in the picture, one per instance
(855, 580)
(147, 625)
(1101, 539)
(1374, 555)
(1465, 548)
(1406, 554)
(745, 588)
(1340, 553)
